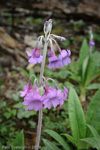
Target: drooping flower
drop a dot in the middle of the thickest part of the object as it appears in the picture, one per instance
(64, 56)
(92, 43)
(36, 56)
(55, 62)
(54, 97)
(27, 89)
(37, 96)
(33, 100)
(62, 60)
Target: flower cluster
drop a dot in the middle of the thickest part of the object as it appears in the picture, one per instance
(41, 97)
(54, 61)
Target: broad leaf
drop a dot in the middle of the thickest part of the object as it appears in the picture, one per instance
(73, 67)
(74, 77)
(83, 145)
(83, 53)
(19, 141)
(58, 138)
(49, 145)
(93, 131)
(93, 86)
(76, 116)
(93, 69)
(94, 142)
(93, 113)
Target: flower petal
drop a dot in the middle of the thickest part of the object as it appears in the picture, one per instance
(29, 54)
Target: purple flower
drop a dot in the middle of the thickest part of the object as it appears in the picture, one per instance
(50, 97)
(55, 62)
(54, 97)
(64, 56)
(33, 100)
(27, 89)
(63, 39)
(62, 60)
(36, 56)
(91, 43)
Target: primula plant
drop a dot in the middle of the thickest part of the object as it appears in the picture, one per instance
(40, 95)
(84, 129)
(87, 68)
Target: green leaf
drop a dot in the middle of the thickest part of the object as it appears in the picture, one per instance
(2, 104)
(62, 74)
(84, 67)
(58, 138)
(92, 77)
(25, 114)
(69, 137)
(25, 72)
(93, 131)
(19, 141)
(93, 86)
(73, 67)
(93, 113)
(94, 142)
(74, 77)
(83, 145)
(16, 96)
(76, 116)
(18, 105)
(49, 145)
(67, 84)
(93, 69)
(83, 53)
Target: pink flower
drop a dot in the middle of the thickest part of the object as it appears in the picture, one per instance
(91, 43)
(64, 56)
(55, 62)
(27, 89)
(54, 97)
(62, 60)
(63, 39)
(50, 97)
(36, 56)
(33, 100)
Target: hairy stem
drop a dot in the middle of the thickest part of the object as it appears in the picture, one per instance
(40, 111)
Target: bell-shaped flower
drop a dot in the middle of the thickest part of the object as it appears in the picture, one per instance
(64, 56)
(54, 97)
(55, 62)
(35, 56)
(27, 89)
(33, 100)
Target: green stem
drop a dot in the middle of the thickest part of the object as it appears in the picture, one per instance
(40, 111)
(83, 95)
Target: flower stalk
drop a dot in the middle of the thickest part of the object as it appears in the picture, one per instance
(40, 111)
(41, 96)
